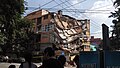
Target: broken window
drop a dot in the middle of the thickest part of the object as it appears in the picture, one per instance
(38, 20)
(45, 17)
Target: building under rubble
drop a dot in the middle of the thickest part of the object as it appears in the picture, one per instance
(61, 30)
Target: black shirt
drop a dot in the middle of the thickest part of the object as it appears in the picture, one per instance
(52, 63)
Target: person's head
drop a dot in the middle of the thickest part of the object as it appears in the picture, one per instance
(12, 66)
(49, 52)
(62, 59)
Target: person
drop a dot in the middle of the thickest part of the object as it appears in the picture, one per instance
(6, 58)
(27, 63)
(62, 59)
(76, 60)
(49, 60)
(12, 66)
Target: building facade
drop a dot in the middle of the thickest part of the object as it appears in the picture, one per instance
(43, 28)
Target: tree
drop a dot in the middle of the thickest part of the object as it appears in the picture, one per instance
(15, 31)
(115, 38)
(117, 3)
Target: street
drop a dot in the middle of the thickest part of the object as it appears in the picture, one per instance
(6, 65)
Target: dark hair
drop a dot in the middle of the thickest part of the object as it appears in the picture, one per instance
(62, 59)
(12, 66)
(50, 51)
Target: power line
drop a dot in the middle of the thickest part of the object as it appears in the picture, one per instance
(85, 15)
(69, 7)
(93, 9)
(62, 6)
(47, 3)
(74, 4)
(58, 4)
(79, 11)
(88, 12)
(67, 10)
(103, 6)
(92, 22)
(65, 7)
(42, 5)
(65, 4)
(76, 9)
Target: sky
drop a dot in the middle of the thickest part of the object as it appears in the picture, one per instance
(95, 10)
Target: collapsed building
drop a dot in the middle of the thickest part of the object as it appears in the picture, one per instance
(61, 30)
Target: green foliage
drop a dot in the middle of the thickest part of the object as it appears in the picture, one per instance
(11, 7)
(2, 38)
(115, 38)
(15, 31)
(117, 3)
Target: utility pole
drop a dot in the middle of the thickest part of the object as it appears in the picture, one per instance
(105, 32)
(106, 43)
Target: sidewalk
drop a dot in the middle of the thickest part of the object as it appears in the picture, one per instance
(6, 65)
